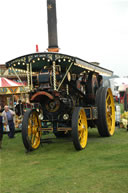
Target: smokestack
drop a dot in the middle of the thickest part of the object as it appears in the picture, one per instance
(52, 26)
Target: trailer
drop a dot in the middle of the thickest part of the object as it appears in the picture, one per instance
(69, 91)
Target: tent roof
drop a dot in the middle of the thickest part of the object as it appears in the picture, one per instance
(4, 82)
(123, 87)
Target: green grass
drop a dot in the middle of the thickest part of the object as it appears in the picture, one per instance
(58, 168)
(121, 107)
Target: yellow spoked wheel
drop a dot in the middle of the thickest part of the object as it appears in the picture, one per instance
(110, 112)
(79, 128)
(30, 130)
(106, 112)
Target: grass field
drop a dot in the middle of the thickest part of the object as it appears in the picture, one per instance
(58, 168)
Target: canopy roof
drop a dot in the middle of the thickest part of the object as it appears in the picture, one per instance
(44, 60)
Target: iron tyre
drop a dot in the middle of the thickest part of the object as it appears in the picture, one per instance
(106, 112)
(79, 128)
(30, 130)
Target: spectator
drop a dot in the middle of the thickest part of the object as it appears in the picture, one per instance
(118, 97)
(19, 108)
(8, 120)
(1, 127)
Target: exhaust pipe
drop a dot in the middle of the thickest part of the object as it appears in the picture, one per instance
(52, 26)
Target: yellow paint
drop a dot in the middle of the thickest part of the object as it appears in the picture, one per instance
(33, 130)
(110, 112)
(82, 128)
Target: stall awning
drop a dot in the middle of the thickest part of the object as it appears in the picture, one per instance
(10, 87)
(4, 82)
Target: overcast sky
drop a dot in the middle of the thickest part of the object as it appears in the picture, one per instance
(93, 30)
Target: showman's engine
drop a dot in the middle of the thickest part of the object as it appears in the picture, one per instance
(69, 91)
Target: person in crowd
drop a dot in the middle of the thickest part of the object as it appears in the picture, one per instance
(8, 115)
(19, 108)
(118, 97)
(1, 127)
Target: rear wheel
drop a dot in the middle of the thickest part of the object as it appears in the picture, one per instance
(79, 128)
(106, 112)
(30, 130)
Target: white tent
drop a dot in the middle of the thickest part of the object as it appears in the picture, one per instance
(123, 87)
(120, 81)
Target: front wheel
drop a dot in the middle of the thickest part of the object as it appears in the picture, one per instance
(30, 130)
(79, 128)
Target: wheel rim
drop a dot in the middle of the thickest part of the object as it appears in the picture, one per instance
(33, 131)
(82, 128)
(110, 112)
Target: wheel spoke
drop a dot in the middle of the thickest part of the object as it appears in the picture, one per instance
(107, 98)
(32, 139)
(82, 137)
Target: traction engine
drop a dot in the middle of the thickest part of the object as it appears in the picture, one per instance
(69, 91)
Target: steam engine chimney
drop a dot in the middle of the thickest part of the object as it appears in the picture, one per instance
(52, 26)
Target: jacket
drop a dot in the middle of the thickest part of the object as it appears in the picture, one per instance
(5, 116)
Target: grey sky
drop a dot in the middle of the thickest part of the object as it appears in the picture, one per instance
(94, 30)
